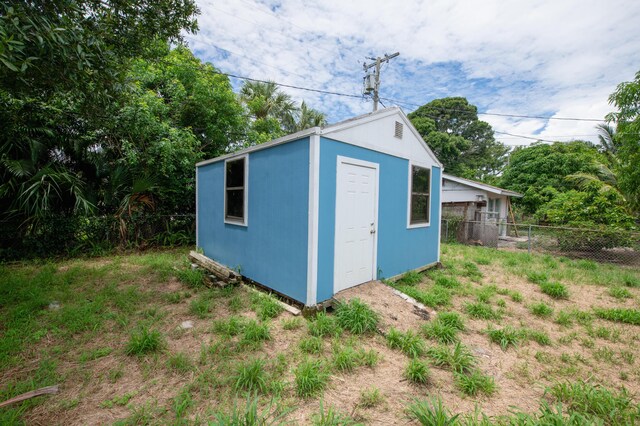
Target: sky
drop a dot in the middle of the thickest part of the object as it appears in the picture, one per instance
(542, 58)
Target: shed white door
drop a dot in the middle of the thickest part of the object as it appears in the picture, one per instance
(356, 223)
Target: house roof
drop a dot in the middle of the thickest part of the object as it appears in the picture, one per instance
(483, 186)
(351, 122)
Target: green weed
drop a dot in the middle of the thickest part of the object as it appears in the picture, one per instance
(292, 323)
(345, 359)
(311, 378)
(410, 278)
(144, 341)
(255, 333)
(417, 371)
(370, 397)
(324, 325)
(200, 307)
(541, 309)
(357, 317)
(505, 337)
(332, 417)
(555, 290)
(481, 310)
(538, 277)
(251, 376)
(180, 362)
(627, 316)
(475, 382)
(620, 293)
(311, 345)
(409, 343)
(440, 331)
(266, 306)
(191, 277)
(431, 413)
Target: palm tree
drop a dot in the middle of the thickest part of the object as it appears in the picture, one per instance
(265, 100)
(607, 138)
(308, 118)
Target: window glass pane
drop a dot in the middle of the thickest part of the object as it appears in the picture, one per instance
(235, 173)
(235, 203)
(420, 181)
(419, 208)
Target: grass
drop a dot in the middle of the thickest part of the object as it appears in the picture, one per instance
(475, 382)
(431, 412)
(345, 359)
(505, 337)
(266, 306)
(440, 331)
(251, 376)
(410, 278)
(626, 316)
(83, 341)
(331, 417)
(409, 343)
(541, 310)
(311, 377)
(311, 345)
(370, 397)
(597, 402)
(555, 290)
(356, 317)
(324, 325)
(180, 362)
(481, 310)
(435, 297)
(619, 292)
(417, 371)
(145, 341)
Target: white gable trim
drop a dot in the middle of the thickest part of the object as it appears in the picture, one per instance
(483, 186)
(352, 122)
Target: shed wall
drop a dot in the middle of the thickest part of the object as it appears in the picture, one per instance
(272, 249)
(399, 249)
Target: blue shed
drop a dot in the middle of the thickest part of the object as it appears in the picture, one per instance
(324, 209)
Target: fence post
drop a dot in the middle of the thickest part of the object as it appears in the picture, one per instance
(446, 230)
(529, 238)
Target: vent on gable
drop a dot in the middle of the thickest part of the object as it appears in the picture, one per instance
(399, 128)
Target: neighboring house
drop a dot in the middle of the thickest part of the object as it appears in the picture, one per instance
(324, 209)
(475, 201)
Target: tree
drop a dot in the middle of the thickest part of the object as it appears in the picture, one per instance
(63, 68)
(272, 110)
(539, 170)
(463, 143)
(626, 99)
(307, 118)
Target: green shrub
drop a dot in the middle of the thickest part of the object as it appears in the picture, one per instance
(555, 290)
(357, 317)
(311, 378)
(144, 341)
(417, 371)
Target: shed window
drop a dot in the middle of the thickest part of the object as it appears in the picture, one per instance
(420, 195)
(235, 175)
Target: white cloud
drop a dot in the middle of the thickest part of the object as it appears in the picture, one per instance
(538, 57)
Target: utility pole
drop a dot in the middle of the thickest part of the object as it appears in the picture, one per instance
(374, 86)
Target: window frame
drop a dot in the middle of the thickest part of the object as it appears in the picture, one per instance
(232, 220)
(410, 196)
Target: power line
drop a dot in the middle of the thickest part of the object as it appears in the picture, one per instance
(258, 62)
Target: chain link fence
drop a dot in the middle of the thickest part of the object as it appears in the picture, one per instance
(94, 235)
(600, 244)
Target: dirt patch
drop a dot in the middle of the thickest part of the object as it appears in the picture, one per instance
(394, 311)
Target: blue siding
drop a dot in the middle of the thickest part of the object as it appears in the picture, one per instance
(272, 250)
(399, 249)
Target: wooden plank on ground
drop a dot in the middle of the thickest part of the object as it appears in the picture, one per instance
(212, 266)
(31, 394)
(291, 309)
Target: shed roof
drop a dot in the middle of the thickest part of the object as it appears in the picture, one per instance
(479, 185)
(351, 122)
